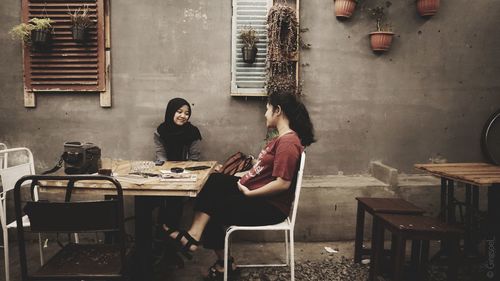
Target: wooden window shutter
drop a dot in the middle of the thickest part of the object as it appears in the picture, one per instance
(66, 66)
(249, 79)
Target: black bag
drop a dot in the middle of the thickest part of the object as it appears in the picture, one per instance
(79, 158)
(236, 163)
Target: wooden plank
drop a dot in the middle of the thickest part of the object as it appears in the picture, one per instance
(479, 174)
(107, 25)
(42, 69)
(65, 66)
(429, 165)
(29, 99)
(105, 97)
(153, 187)
(62, 83)
(66, 71)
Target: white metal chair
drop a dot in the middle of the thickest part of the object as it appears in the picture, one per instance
(8, 177)
(287, 225)
(3, 159)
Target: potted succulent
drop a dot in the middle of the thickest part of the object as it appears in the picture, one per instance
(381, 39)
(37, 32)
(345, 8)
(249, 50)
(427, 7)
(80, 23)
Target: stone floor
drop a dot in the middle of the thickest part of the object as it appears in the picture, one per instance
(313, 262)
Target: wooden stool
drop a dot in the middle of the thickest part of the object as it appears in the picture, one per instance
(378, 205)
(419, 229)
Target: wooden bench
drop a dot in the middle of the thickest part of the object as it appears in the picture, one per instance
(378, 205)
(418, 229)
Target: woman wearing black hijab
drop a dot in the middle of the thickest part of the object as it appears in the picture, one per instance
(176, 139)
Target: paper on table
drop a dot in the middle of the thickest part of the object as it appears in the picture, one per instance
(134, 179)
(185, 176)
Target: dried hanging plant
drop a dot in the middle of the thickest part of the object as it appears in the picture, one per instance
(282, 33)
(282, 28)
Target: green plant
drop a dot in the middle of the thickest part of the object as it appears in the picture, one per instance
(249, 36)
(23, 31)
(41, 23)
(378, 14)
(81, 17)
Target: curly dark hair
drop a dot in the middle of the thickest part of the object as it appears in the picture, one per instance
(297, 114)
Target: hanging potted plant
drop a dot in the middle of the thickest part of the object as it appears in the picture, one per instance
(427, 8)
(282, 49)
(249, 50)
(80, 23)
(41, 32)
(345, 8)
(381, 39)
(36, 33)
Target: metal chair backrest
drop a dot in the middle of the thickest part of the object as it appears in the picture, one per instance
(3, 158)
(298, 187)
(66, 216)
(10, 174)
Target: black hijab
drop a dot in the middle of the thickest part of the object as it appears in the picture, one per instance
(173, 136)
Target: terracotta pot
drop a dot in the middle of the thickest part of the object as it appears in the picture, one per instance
(381, 40)
(344, 8)
(427, 7)
(249, 53)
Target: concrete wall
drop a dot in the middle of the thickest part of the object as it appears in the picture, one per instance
(429, 95)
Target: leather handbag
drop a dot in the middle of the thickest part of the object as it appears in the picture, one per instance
(236, 163)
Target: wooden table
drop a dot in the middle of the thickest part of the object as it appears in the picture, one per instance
(145, 191)
(137, 185)
(474, 176)
(373, 206)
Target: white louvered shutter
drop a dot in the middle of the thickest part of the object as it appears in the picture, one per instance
(249, 79)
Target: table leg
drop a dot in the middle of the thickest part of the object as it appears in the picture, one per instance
(443, 215)
(400, 258)
(468, 220)
(416, 249)
(377, 249)
(451, 203)
(424, 260)
(143, 237)
(492, 243)
(358, 243)
(443, 209)
(452, 273)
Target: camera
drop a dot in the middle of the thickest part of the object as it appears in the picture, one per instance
(81, 158)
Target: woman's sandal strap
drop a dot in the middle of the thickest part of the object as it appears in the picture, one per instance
(190, 240)
(214, 274)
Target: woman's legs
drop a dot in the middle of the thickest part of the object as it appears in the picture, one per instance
(170, 211)
(196, 230)
(220, 203)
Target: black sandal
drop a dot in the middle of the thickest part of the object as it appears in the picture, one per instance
(165, 249)
(214, 274)
(184, 249)
(163, 234)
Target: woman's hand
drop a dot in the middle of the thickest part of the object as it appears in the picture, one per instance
(244, 189)
(218, 168)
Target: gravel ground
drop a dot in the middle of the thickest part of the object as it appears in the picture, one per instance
(343, 269)
(331, 269)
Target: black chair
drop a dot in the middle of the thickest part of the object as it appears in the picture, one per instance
(75, 261)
